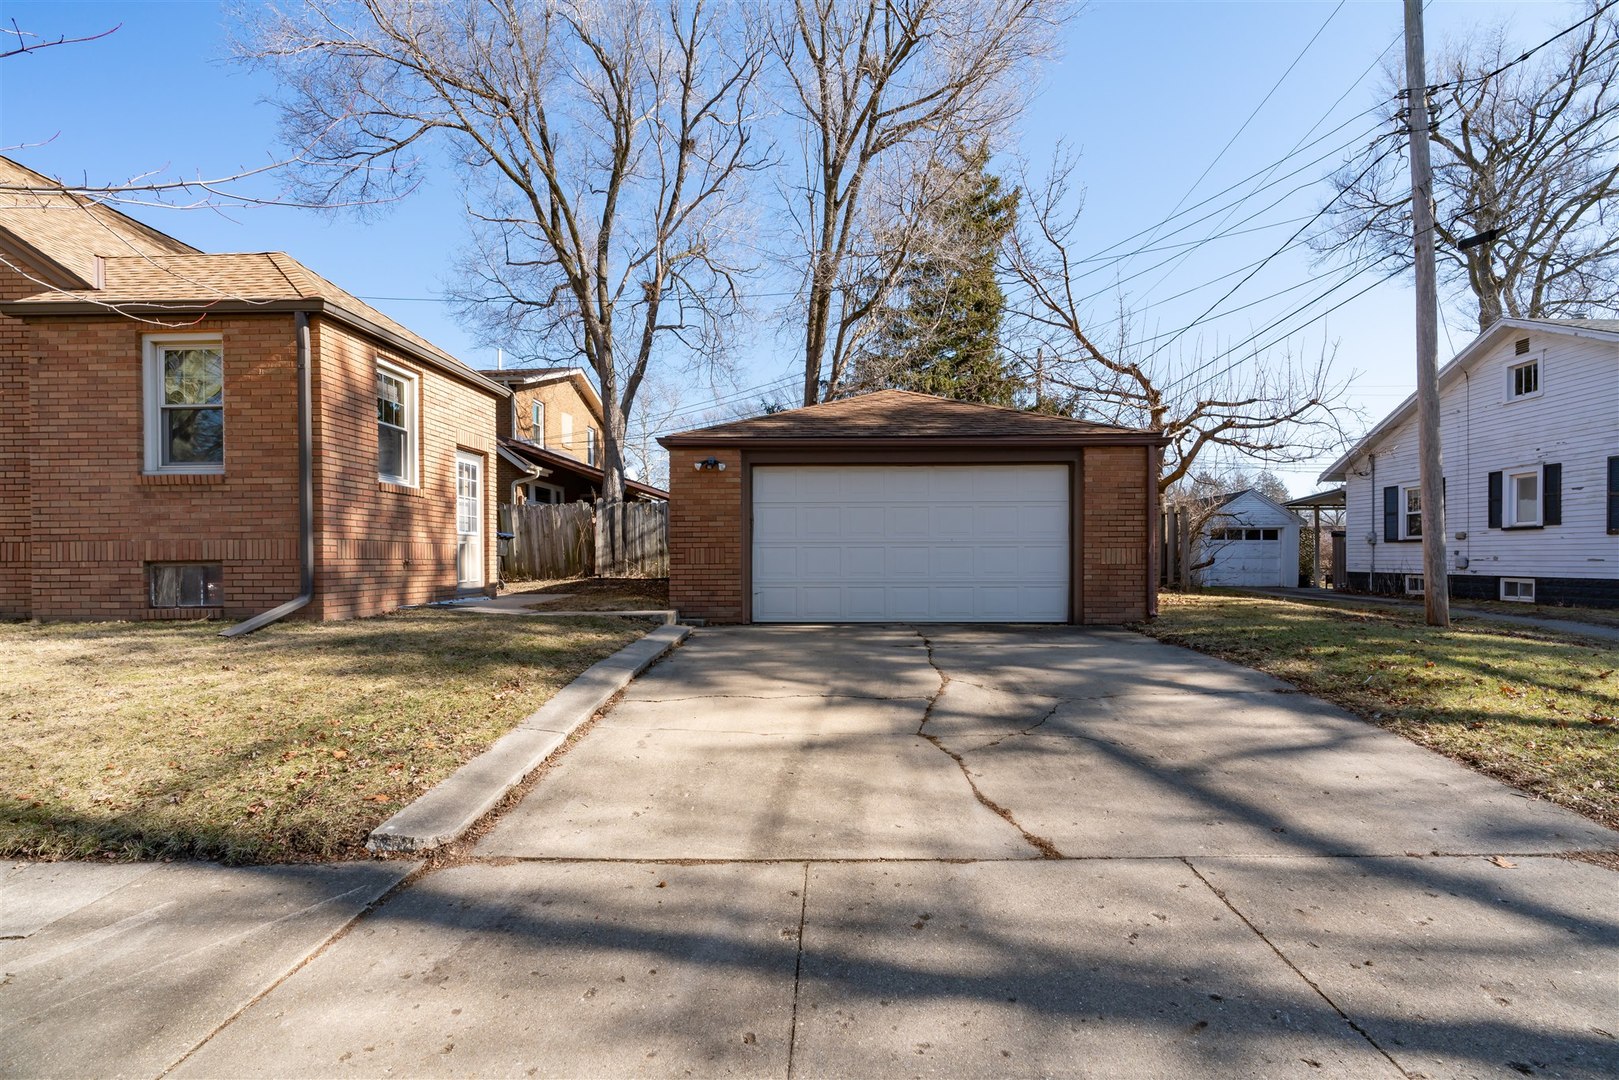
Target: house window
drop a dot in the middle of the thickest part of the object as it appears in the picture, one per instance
(590, 446)
(544, 494)
(1413, 585)
(1519, 590)
(1523, 498)
(1270, 534)
(396, 425)
(1411, 516)
(537, 423)
(185, 404)
(177, 585)
(1523, 380)
(567, 433)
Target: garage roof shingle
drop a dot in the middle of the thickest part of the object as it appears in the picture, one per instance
(903, 414)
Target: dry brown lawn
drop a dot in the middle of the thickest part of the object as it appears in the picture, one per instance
(163, 740)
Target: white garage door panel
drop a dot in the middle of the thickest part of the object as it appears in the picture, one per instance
(922, 543)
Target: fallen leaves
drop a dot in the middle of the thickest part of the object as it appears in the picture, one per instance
(1503, 863)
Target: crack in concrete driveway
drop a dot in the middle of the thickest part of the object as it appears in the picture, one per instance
(760, 862)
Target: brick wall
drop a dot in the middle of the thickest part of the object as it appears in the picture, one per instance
(16, 360)
(1116, 529)
(379, 545)
(95, 520)
(90, 520)
(705, 537)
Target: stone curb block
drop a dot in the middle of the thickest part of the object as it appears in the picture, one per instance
(461, 798)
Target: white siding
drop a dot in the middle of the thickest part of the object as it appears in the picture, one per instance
(1252, 562)
(1573, 422)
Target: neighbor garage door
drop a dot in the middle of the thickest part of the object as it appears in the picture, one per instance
(1245, 557)
(929, 543)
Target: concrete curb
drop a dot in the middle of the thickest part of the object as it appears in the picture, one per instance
(450, 808)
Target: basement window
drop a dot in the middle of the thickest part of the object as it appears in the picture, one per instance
(1518, 590)
(1414, 585)
(180, 585)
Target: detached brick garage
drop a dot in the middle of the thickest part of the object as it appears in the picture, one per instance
(902, 507)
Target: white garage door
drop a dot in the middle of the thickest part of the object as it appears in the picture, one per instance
(928, 543)
(1245, 557)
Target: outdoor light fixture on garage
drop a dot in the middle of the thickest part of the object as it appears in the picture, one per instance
(709, 464)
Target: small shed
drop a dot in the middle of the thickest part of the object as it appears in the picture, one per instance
(1250, 540)
(902, 507)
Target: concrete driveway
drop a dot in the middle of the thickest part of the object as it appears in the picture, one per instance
(960, 851)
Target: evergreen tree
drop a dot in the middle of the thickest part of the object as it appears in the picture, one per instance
(941, 333)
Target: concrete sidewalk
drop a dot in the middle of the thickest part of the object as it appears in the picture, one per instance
(870, 851)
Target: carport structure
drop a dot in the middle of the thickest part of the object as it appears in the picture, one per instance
(896, 506)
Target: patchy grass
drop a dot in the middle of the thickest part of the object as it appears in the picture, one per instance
(1535, 708)
(163, 740)
(598, 594)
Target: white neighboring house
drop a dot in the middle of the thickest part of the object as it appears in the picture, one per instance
(1251, 540)
(1529, 430)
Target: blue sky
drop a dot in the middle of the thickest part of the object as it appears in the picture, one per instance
(1151, 95)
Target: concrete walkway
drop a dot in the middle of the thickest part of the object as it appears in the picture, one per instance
(881, 851)
(1545, 622)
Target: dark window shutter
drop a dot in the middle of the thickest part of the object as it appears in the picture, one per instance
(1391, 514)
(1495, 500)
(1551, 499)
(1613, 494)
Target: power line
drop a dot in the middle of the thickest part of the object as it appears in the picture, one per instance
(1277, 85)
(1249, 276)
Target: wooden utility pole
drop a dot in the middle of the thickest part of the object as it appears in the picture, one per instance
(1435, 580)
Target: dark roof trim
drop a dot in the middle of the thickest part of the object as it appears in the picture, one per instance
(309, 305)
(1116, 437)
(552, 459)
(51, 272)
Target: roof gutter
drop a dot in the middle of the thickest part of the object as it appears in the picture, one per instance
(306, 498)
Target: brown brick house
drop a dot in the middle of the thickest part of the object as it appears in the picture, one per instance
(895, 506)
(154, 466)
(550, 438)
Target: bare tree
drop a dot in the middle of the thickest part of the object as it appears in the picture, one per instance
(1526, 168)
(883, 92)
(1276, 408)
(603, 144)
(27, 41)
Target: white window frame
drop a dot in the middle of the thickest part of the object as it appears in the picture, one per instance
(534, 485)
(1520, 583)
(590, 446)
(1406, 491)
(1509, 496)
(1540, 378)
(536, 413)
(1414, 585)
(413, 424)
(152, 346)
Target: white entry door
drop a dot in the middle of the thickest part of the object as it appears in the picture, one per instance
(924, 543)
(468, 520)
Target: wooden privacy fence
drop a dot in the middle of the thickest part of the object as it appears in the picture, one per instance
(1176, 550)
(559, 541)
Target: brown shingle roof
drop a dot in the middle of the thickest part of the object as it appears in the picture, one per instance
(902, 414)
(267, 280)
(69, 231)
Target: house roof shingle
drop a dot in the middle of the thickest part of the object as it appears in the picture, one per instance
(269, 280)
(903, 414)
(68, 231)
(552, 459)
